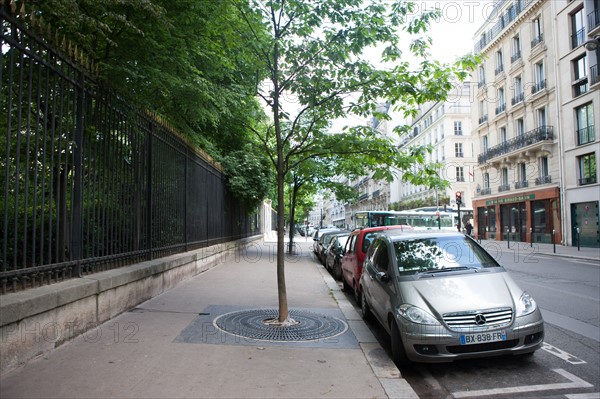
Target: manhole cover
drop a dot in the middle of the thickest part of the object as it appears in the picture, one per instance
(251, 324)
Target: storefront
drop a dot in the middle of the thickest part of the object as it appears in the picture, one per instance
(525, 217)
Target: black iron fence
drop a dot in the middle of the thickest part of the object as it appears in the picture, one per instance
(89, 182)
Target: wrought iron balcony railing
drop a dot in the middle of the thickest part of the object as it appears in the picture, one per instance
(543, 180)
(515, 57)
(594, 76)
(521, 184)
(578, 38)
(538, 86)
(504, 187)
(587, 180)
(500, 108)
(542, 133)
(518, 98)
(483, 119)
(594, 19)
(485, 191)
(537, 40)
(586, 135)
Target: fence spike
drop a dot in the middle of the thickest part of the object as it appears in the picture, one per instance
(32, 19)
(13, 6)
(22, 10)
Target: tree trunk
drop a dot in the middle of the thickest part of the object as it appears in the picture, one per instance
(281, 289)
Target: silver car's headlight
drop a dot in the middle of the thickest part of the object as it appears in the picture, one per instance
(526, 305)
(416, 315)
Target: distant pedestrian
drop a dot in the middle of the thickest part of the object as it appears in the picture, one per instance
(469, 228)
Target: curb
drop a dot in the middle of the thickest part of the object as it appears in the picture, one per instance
(383, 367)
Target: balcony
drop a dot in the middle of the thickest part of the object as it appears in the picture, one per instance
(543, 180)
(539, 39)
(515, 57)
(363, 197)
(518, 98)
(521, 184)
(594, 19)
(483, 119)
(500, 108)
(594, 77)
(586, 135)
(499, 70)
(376, 193)
(541, 134)
(538, 86)
(504, 187)
(485, 191)
(587, 180)
(578, 38)
(480, 84)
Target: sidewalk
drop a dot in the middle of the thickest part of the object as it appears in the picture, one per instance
(171, 347)
(584, 253)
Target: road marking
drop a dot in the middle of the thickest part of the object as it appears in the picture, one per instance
(567, 357)
(593, 395)
(575, 382)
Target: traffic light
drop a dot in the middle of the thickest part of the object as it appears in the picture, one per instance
(458, 198)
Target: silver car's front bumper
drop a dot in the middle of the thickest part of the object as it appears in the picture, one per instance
(434, 344)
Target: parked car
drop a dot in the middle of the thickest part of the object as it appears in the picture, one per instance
(317, 236)
(333, 258)
(354, 255)
(324, 241)
(442, 297)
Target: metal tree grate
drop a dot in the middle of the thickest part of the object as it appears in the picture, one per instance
(252, 324)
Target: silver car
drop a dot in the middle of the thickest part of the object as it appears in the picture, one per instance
(442, 297)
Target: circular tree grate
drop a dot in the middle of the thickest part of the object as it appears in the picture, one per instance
(252, 324)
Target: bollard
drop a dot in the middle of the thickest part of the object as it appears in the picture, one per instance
(508, 237)
(578, 236)
(553, 240)
(531, 236)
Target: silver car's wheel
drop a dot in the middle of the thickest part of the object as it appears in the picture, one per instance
(398, 352)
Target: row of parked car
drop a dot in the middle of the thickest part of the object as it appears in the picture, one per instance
(440, 295)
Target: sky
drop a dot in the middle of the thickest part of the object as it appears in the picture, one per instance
(453, 33)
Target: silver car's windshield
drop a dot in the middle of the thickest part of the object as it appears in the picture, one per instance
(431, 255)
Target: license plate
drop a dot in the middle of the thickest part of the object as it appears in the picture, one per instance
(482, 338)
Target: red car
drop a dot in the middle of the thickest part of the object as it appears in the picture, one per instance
(354, 255)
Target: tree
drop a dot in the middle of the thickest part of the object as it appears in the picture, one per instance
(315, 54)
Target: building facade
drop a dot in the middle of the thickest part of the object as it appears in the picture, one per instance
(578, 21)
(446, 127)
(516, 116)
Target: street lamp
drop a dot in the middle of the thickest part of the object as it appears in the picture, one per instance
(592, 44)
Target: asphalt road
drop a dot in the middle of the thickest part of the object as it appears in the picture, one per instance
(568, 366)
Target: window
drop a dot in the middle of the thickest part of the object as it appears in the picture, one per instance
(504, 180)
(585, 124)
(538, 34)
(501, 101)
(587, 169)
(540, 77)
(486, 180)
(544, 171)
(458, 150)
(519, 127)
(580, 82)
(541, 117)
(499, 62)
(516, 48)
(503, 138)
(484, 143)
(481, 76)
(518, 90)
(458, 128)
(522, 172)
(460, 173)
(577, 28)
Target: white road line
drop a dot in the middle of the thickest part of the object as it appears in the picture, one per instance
(593, 395)
(567, 357)
(575, 382)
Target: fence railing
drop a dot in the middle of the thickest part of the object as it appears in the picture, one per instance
(89, 182)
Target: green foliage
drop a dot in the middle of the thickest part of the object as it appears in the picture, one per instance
(419, 203)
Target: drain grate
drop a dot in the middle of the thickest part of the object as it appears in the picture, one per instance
(251, 324)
